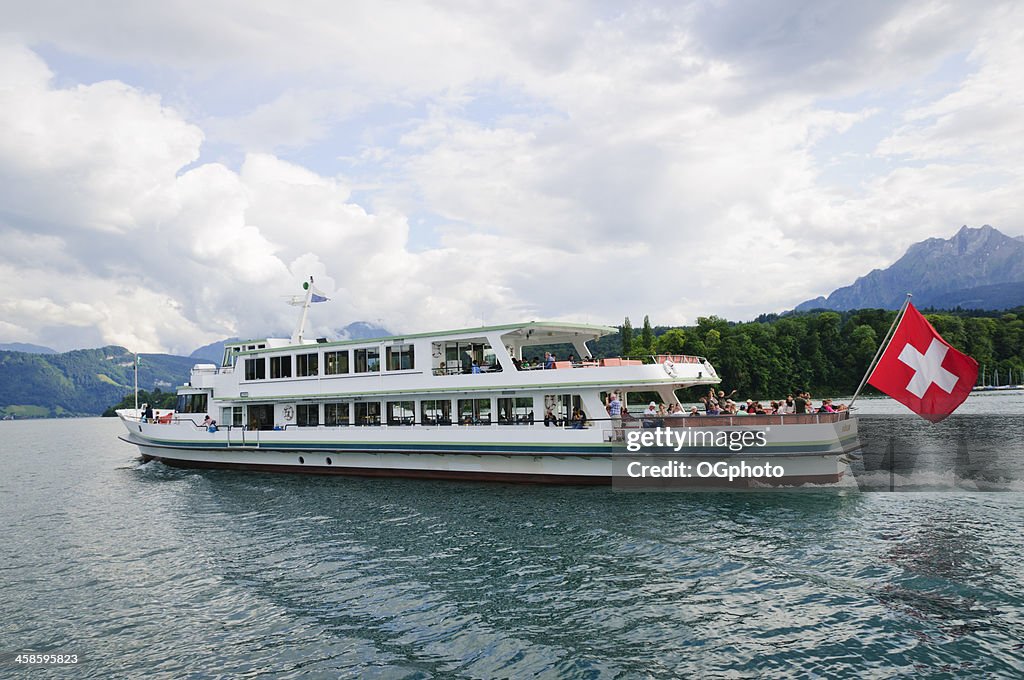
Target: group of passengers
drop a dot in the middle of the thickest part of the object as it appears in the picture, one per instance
(577, 421)
(151, 416)
(722, 404)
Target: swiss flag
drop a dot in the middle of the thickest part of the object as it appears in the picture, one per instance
(922, 371)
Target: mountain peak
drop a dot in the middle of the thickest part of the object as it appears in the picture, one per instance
(973, 258)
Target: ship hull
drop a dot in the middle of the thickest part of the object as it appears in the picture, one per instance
(808, 454)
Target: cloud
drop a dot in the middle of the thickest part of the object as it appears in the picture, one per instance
(438, 165)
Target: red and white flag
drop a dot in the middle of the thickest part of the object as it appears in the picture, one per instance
(922, 371)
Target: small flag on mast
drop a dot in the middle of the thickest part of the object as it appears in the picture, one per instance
(315, 295)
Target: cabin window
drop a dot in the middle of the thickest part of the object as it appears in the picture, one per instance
(336, 363)
(401, 412)
(256, 369)
(307, 415)
(561, 406)
(458, 357)
(336, 414)
(515, 411)
(367, 360)
(191, 403)
(474, 411)
(399, 357)
(261, 416)
(307, 364)
(368, 413)
(436, 412)
(231, 415)
(281, 367)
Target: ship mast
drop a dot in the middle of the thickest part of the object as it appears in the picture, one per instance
(304, 301)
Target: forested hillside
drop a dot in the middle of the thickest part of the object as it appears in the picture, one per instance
(80, 382)
(824, 352)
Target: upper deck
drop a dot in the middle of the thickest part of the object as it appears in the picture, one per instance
(488, 358)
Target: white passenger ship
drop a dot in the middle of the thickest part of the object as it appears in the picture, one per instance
(414, 406)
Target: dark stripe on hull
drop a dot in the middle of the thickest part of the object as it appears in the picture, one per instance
(387, 472)
(458, 475)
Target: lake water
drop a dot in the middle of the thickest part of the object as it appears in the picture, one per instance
(142, 570)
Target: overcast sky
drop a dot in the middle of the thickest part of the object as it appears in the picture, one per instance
(169, 171)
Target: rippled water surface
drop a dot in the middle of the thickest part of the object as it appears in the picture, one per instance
(146, 570)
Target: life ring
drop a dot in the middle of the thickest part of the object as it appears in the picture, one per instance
(670, 367)
(289, 413)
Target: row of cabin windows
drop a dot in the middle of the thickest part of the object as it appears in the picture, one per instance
(366, 360)
(510, 411)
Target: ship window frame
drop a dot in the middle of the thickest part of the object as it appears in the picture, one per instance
(258, 366)
(283, 366)
(307, 365)
(366, 360)
(368, 419)
(231, 415)
(433, 413)
(195, 402)
(518, 417)
(302, 415)
(332, 413)
(408, 417)
(474, 416)
(398, 354)
(336, 360)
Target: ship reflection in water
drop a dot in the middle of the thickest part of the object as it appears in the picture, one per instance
(982, 452)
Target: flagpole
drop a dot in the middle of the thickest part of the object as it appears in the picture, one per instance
(136, 362)
(881, 348)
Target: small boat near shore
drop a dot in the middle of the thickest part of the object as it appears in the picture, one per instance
(461, 404)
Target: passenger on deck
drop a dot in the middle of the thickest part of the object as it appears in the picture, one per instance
(800, 403)
(147, 413)
(649, 418)
(578, 420)
(550, 418)
(475, 368)
(614, 408)
(549, 360)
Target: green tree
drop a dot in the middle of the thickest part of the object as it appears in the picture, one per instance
(626, 333)
(647, 337)
(672, 342)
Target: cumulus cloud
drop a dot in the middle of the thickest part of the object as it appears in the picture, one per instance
(437, 165)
